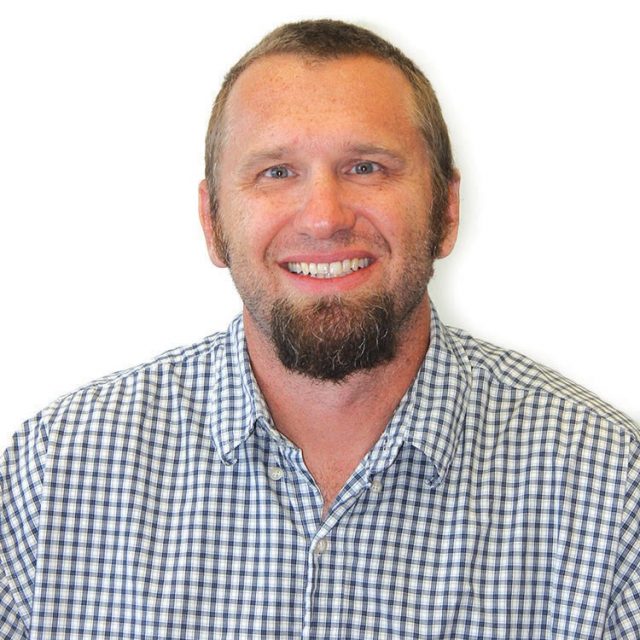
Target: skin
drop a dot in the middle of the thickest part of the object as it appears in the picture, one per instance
(323, 161)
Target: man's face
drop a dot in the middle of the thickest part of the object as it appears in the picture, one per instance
(324, 206)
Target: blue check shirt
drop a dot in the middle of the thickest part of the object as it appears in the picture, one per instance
(502, 501)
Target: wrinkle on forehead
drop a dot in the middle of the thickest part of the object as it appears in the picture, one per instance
(273, 77)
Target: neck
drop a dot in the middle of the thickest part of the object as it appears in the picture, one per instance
(336, 424)
(308, 410)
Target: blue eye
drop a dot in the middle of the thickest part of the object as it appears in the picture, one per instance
(364, 168)
(278, 172)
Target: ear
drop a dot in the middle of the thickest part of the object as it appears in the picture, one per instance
(451, 217)
(208, 224)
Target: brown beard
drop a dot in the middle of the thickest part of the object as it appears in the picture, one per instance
(331, 338)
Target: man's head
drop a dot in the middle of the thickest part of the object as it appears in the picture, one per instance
(327, 151)
(331, 40)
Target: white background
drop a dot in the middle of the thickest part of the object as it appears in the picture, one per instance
(103, 111)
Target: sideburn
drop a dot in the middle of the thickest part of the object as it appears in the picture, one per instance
(222, 245)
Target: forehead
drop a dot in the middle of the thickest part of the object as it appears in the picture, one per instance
(318, 92)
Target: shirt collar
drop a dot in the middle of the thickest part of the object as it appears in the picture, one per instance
(429, 417)
(431, 414)
(235, 400)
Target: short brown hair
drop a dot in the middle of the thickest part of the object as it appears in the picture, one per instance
(333, 39)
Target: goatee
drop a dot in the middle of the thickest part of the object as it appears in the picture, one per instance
(331, 338)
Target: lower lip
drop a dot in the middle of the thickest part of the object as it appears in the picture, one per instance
(309, 284)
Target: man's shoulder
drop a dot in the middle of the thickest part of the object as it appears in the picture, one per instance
(508, 370)
(185, 371)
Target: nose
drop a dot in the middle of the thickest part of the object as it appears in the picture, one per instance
(323, 210)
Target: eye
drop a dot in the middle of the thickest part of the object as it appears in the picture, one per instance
(365, 168)
(278, 172)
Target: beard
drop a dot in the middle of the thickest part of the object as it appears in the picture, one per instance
(331, 338)
(335, 336)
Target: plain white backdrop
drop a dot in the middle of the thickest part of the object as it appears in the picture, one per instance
(103, 113)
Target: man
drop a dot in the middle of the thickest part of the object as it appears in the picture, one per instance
(339, 464)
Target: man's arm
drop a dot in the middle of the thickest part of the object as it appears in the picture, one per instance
(21, 473)
(624, 614)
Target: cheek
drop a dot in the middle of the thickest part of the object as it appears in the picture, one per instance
(399, 223)
(266, 221)
(252, 235)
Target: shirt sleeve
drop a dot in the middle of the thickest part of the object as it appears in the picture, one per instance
(624, 614)
(21, 473)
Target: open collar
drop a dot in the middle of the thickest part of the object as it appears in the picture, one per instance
(429, 416)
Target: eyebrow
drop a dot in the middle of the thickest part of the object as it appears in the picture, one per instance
(396, 158)
(372, 149)
(260, 157)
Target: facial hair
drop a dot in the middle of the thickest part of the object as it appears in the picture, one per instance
(333, 337)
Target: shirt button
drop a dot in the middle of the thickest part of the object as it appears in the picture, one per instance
(376, 486)
(275, 473)
(321, 546)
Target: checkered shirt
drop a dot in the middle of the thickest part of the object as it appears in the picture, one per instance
(502, 501)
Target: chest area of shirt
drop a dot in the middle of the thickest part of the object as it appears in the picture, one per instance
(242, 549)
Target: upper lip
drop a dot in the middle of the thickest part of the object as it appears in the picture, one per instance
(336, 256)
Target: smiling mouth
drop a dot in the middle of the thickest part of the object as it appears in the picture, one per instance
(337, 269)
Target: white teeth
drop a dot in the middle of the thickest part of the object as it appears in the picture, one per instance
(336, 269)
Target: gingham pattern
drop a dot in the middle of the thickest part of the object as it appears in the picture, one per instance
(501, 502)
